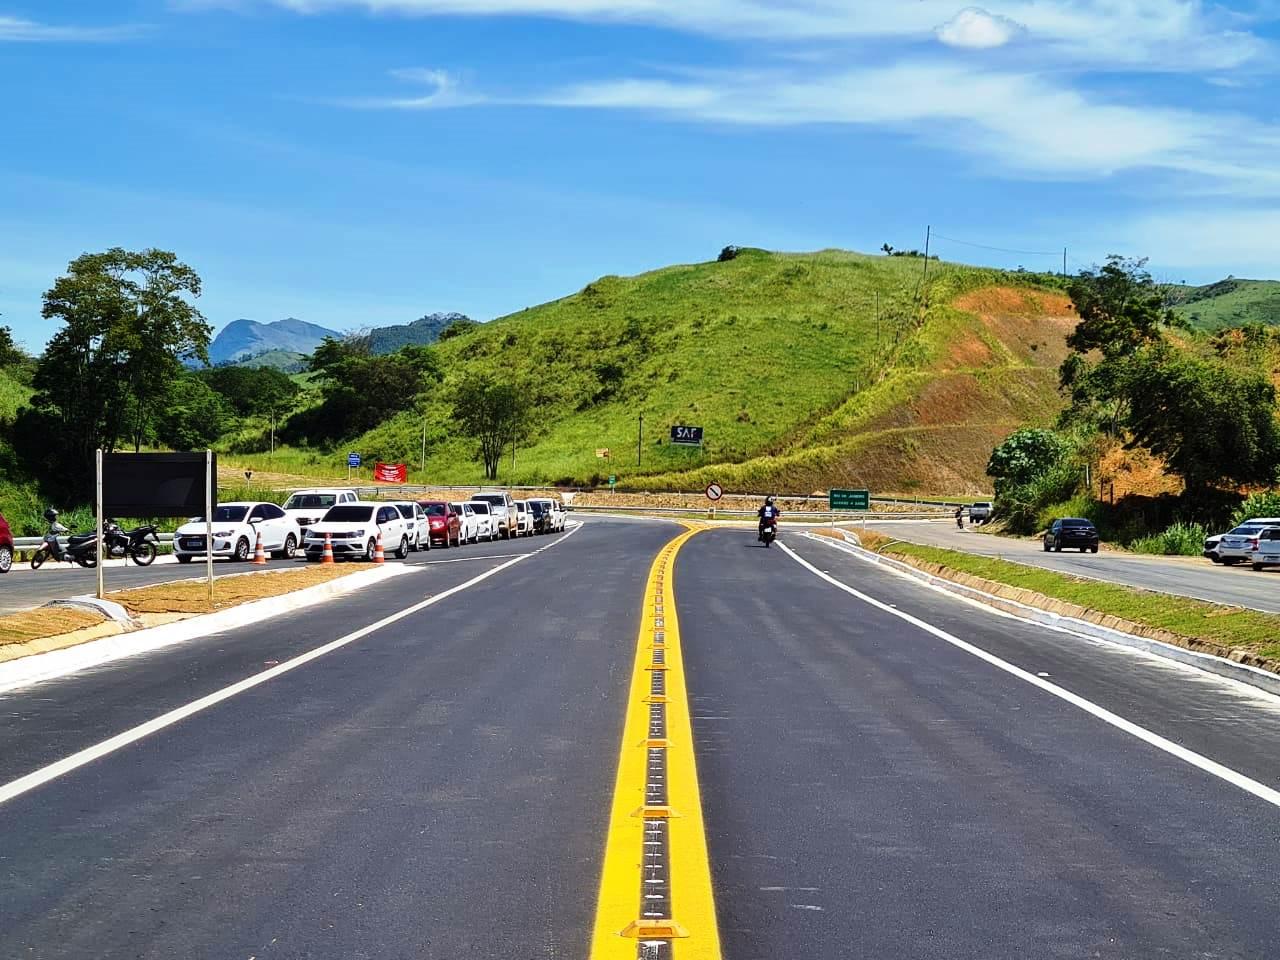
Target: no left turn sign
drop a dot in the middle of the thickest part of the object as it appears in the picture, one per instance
(714, 492)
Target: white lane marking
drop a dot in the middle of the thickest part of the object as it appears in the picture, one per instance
(64, 766)
(1262, 698)
(1212, 767)
(501, 556)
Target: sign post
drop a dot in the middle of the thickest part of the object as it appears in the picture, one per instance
(613, 482)
(714, 492)
(353, 463)
(101, 558)
(859, 500)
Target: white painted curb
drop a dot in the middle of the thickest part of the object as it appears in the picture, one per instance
(1219, 666)
(59, 663)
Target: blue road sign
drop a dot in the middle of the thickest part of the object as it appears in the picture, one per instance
(353, 459)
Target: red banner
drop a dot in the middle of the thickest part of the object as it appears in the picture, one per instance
(390, 473)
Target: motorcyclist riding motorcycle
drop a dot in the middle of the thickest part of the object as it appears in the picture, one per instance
(768, 513)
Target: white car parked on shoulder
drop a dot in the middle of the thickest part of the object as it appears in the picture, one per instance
(416, 517)
(468, 525)
(524, 519)
(353, 530)
(236, 527)
(486, 520)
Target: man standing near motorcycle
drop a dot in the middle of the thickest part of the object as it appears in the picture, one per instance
(768, 513)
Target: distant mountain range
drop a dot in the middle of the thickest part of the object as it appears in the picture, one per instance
(242, 339)
(285, 343)
(423, 331)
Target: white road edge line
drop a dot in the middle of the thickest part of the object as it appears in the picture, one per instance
(1236, 779)
(36, 778)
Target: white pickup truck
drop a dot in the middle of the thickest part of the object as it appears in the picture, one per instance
(980, 512)
(310, 506)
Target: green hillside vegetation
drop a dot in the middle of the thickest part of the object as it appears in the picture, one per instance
(1227, 303)
(284, 360)
(780, 357)
(420, 333)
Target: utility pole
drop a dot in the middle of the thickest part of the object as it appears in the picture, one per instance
(928, 233)
(640, 442)
(1064, 263)
(877, 320)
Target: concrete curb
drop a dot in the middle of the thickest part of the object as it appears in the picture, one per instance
(59, 663)
(1219, 666)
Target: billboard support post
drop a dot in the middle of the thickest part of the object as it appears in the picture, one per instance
(101, 558)
(208, 522)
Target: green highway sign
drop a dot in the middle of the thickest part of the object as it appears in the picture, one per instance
(612, 481)
(849, 499)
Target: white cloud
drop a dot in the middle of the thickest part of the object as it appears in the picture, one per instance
(1165, 35)
(976, 29)
(15, 29)
(1235, 240)
(1016, 123)
(443, 93)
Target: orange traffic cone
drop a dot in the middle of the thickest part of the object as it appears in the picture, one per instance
(327, 556)
(259, 555)
(379, 555)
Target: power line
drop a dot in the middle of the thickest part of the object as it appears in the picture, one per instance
(983, 246)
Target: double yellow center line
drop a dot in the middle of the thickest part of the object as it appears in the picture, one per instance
(655, 889)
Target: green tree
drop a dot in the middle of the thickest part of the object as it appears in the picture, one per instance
(1024, 456)
(253, 391)
(492, 413)
(128, 322)
(195, 415)
(458, 328)
(10, 353)
(1208, 422)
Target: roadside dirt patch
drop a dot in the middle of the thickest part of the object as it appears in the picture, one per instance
(44, 622)
(192, 596)
(1032, 324)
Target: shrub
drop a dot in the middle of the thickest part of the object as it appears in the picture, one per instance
(1265, 504)
(728, 253)
(1178, 540)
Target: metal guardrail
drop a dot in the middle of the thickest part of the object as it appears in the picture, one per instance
(814, 515)
(31, 543)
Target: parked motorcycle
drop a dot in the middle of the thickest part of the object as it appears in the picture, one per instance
(81, 548)
(138, 544)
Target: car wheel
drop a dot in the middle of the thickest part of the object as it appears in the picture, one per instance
(402, 551)
(1046, 546)
(242, 550)
(1057, 546)
(290, 549)
(183, 557)
(1215, 559)
(371, 550)
(6, 558)
(1228, 561)
(1256, 566)
(1093, 549)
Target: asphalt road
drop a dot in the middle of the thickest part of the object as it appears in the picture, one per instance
(23, 588)
(440, 786)
(1183, 576)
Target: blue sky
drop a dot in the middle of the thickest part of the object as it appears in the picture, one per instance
(362, 162)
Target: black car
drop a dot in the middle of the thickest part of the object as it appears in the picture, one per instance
(542, 520)
(1071, 532)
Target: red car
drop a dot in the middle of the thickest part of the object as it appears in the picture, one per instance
(6, 545)
(445, 527)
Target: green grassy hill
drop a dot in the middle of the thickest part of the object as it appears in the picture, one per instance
(1228, 303)
(799, 381)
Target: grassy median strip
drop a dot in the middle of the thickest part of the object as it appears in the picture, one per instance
(1234, 628)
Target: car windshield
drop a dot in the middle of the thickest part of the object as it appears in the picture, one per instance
(1248, 528)
(348, 512)
(1076, 522)
(497, 499)
(480, 506)
(538, 508)
(435, 510)
(310, 501)
(227, 515)
(406, 510)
